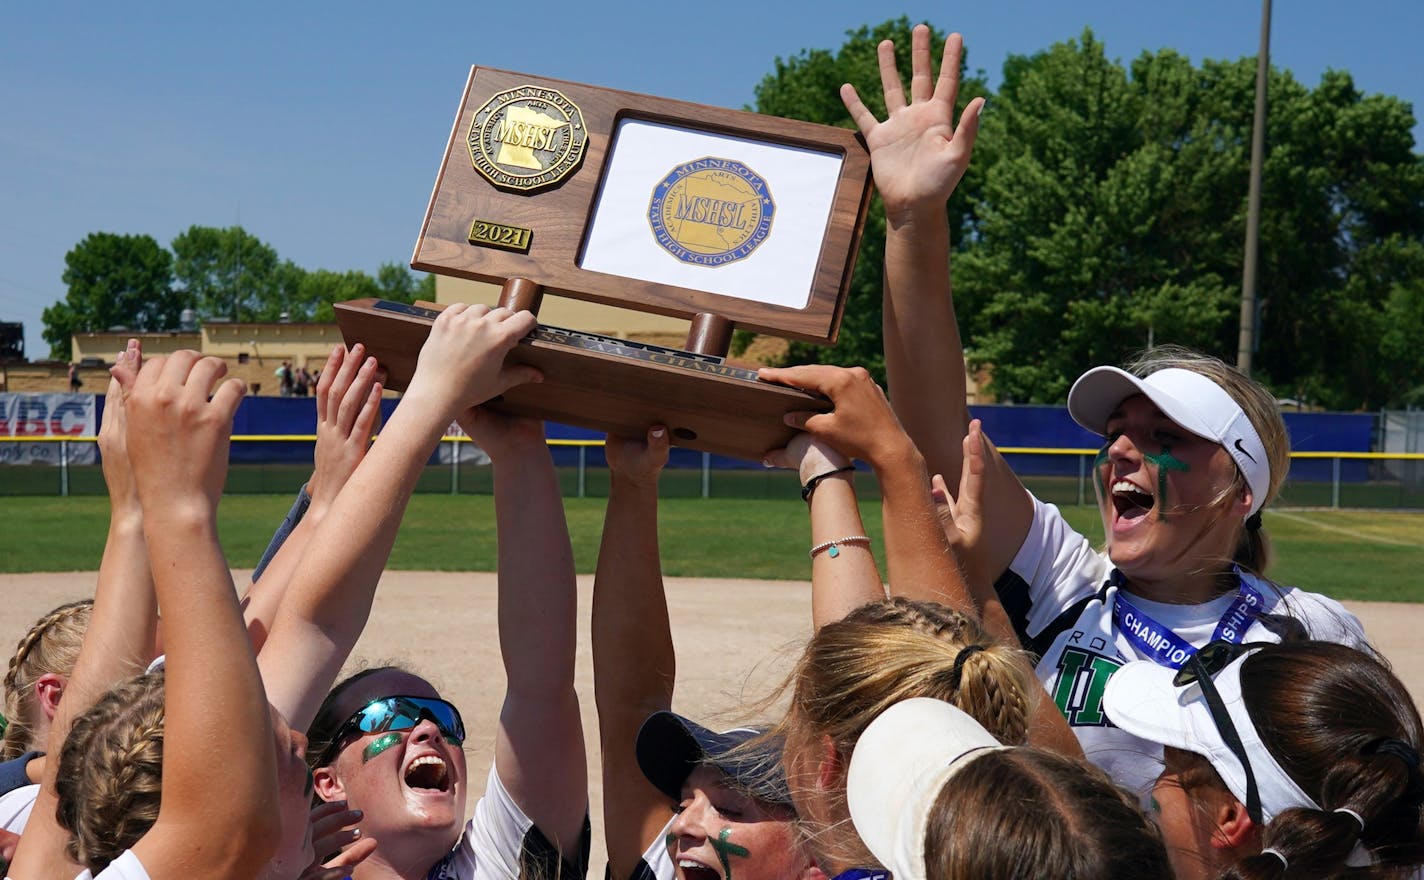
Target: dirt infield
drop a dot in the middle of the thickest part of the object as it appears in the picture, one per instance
(735, 640)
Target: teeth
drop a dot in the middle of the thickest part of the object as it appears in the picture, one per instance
(1124, 486)
(689, 863)
(426, 759)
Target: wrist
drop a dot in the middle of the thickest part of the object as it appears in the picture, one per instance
(808, 488)
(918, 217)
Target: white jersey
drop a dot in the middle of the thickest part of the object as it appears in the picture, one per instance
(501, 843)
(15, 807)
(1058, 593)
(125, 867)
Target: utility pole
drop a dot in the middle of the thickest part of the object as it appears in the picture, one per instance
(1246, 341)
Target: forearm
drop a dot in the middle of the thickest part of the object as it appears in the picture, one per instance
(633, 658)
(634, 666)
(212, 684)
(847, 579)
(328, 602)
(119, 639)
(278, 565)
(919, 562)
(537, 592)
(924, 356)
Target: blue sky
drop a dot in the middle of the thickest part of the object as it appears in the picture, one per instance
(319, 126)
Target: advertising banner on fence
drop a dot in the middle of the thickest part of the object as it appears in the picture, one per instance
(33, 416)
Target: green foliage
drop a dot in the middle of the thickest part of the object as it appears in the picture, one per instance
(233, 274)
(114, 281)
(129, 280)
(1112, 216)
(807, 87)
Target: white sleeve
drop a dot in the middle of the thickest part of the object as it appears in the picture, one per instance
(125, 867)
(658, 858)
(1056, 565)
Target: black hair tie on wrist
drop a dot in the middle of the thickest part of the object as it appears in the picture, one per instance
(1253, 522)
(958, 670)
(815, 481)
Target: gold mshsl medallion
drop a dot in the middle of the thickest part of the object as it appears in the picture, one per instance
(711, 211)
(527, 138)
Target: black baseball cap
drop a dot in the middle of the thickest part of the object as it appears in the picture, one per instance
(670, 747)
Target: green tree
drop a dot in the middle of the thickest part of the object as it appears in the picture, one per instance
(1112, 212)
(114, 281)
(230, 273)
(807, 87)
(324, 287)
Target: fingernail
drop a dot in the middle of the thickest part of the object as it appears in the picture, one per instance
(658, 432)
(766, 463)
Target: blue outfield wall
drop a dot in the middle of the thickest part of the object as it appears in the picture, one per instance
(1007, 426)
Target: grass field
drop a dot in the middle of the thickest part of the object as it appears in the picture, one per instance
(1347, 554)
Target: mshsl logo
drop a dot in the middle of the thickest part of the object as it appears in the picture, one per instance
(527, 138)
(710, 211)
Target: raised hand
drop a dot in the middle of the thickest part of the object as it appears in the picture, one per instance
(113, 447)
(348, 411)
(917, 154)
(336, 834)
(638, 461)
(177, 437)
(502, 435)
(808, 455)
(462, 363)
(862, 424)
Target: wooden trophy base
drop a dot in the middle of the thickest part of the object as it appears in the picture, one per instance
(607, 384)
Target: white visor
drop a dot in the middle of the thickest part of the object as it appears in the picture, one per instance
(1141, 699)
(1188, 398)
(899, 765)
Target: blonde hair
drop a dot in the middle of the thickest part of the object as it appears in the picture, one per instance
(1253, 547)
(111, 772)
(883, 653)
(51, 647)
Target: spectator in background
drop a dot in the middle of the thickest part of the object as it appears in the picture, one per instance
(74, 381)
(285, 378)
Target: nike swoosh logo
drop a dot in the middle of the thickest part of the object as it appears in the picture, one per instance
(1242, 449)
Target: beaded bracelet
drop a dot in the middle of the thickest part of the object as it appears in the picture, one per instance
(834, 546)
(815, 481)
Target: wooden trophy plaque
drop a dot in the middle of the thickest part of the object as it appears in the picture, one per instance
(724, 218)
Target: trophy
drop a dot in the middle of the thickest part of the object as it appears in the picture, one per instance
(728, 219)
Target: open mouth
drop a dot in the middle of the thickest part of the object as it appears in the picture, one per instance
(428, 773)
(692, 870)
(1130, 501)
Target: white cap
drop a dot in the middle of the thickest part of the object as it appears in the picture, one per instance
(899, 765)
(1141, 699)
(1186, 397)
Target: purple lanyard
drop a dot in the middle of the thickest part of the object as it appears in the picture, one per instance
(1166, 647)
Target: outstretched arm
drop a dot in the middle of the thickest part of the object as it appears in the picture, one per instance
(843, 575)
(539, 748)
(918, 156)
(177, 441)
(634, 665)
(329, 600)
(918, 559)
(963, 518)
(118, 641)
(348, 412)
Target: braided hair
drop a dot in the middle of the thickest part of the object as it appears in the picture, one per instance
(51, 647)
(111, 772)
(878, 655)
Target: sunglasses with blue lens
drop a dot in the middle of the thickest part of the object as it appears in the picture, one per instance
(396, 713)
